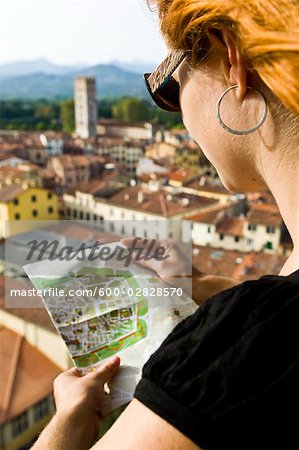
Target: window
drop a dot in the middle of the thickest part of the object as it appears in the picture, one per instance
(252, 227)
(34, 213)
(134, 232)
(49, 195)
(122, 215)
(237, 238)
(68, 212)
(111, 226)
(95, 217)
(270, 229)
(87, 216)
(50, 209)
(170, 235)
(123, 229)
(145, 234)
(221, 237)
(33, 198)
(17, 216)
(19, 424)
(41, 409)
(209, 229)
(16, 201)
(81, 215)
(111, 212)
(75, 213)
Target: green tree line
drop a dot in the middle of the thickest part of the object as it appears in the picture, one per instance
(59, 115)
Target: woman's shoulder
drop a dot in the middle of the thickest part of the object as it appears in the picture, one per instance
(230, 363)
(241, 307)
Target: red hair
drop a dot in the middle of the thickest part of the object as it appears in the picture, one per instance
(266, 31)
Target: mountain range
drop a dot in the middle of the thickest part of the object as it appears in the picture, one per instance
(42, 79)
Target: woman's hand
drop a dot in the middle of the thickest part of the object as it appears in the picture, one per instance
(79, 398)
(173, 267)
(177, 269)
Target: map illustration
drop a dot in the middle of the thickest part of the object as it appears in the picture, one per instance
(100, 308)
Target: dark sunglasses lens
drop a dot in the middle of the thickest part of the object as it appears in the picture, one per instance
(167, 97)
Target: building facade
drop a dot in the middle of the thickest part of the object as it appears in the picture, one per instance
(21, 207)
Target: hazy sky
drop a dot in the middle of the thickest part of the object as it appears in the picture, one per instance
(72, 31)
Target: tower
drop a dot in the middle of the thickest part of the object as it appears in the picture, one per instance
(86, 112)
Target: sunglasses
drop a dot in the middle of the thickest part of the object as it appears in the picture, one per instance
(161, 85)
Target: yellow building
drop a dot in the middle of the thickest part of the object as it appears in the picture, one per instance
(21, 207)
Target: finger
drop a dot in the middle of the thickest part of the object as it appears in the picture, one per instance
(107, 370)
(72, 372)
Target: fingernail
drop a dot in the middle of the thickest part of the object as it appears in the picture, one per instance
(114, 359)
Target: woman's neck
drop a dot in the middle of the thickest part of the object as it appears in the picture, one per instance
(279, 166)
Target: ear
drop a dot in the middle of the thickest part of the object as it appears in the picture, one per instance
(235, 71)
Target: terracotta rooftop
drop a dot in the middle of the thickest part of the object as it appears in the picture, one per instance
(11, 172)
(85, 233)
(56, 135)
(109, 141)
(114, 181)
(158, 202)
(38, 316)
(206, 185)
(255, 265)
(47, 173)
(265, 214)
(181, 175)
(238, 265)
(232, 226)
(209, 217)
(119, 123)
(10, 192)
(26, 375)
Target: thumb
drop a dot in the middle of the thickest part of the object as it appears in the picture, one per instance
(107, 370)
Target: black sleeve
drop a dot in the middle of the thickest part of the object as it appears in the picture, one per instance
(227, 377)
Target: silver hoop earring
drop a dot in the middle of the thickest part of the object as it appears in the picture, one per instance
(249, 130)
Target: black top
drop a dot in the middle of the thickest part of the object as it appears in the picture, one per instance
(227, 377)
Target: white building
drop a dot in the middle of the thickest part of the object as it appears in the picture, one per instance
(53, 146)
(86, 111)
(136, 211)
(259, 231)
(128, 130)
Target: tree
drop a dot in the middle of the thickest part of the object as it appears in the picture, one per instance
(131, 109)
(67, 115)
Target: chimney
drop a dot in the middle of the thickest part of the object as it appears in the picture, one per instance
(140, 197)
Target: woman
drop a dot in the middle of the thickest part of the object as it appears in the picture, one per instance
(227, 377)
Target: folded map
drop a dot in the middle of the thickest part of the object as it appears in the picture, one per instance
(106, 307)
